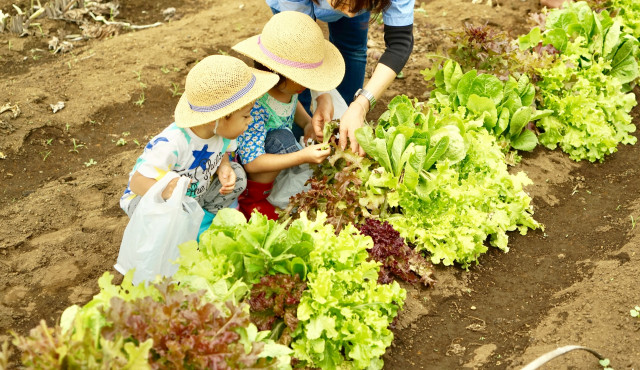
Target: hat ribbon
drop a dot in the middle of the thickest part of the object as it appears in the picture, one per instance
(287, 62)
(226, 102)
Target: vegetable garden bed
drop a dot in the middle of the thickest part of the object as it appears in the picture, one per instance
(571, 283)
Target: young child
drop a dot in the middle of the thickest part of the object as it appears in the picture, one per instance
(214, 109)
(293, 46)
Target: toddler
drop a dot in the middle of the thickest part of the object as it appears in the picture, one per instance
(220, 92)
(293, 46)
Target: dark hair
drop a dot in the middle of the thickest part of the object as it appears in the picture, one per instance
(262, 67)
(374, 6)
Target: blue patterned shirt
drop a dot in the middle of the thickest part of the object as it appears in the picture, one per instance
(267, 115)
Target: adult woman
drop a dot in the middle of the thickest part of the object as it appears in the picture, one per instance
(348, 22)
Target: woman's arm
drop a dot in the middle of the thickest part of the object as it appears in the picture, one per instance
(355, 115)
(301, 117)
(399, 43)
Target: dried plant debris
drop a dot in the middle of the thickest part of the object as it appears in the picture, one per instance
(59, 46)
(3, 21)
(14, 109)
(168, 13)
(99, 31)
(74, 11)
(57, 106)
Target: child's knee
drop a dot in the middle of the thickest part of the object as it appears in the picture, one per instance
(280, 141)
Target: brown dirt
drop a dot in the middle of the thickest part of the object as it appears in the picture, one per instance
(573, 283)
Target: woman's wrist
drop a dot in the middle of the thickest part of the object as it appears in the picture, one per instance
(363, 105)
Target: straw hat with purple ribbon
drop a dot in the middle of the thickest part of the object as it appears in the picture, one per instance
(292, 44)
(218, 86)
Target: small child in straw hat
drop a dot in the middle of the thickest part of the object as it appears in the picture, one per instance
(292, 45)
(214, 109)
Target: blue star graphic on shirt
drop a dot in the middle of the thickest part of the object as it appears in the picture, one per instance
(156, 141)
(201, 157)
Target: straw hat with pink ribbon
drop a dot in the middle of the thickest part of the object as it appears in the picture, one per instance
(292, 45)
(218, 86)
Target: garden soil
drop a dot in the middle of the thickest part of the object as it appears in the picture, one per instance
(62, 175)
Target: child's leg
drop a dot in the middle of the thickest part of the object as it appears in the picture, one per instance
(280, 141)
(213, 201)
(259, 185)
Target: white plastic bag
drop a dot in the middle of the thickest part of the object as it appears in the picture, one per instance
(156, 228)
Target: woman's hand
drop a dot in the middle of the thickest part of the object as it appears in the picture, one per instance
(350, 121)
(168, 190)
(227, 178)
(322, 114)
(315, 153)
(309, 133)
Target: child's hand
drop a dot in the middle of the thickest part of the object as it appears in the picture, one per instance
(227, 178)
(166, 193)
(316, 153)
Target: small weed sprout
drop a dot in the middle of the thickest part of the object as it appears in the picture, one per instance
(126, 133)
(635, 312)
(90, 163)
(633, 223)
(165, 70)
(49, 141)
(10, 45)
(39, 28)
(138, 75)
(76, 146)
(136, 142)
(222, 52)
(140, 100)
(121, 142)
(175, 90)
(605, 364)
(66, 127)
(45, 155)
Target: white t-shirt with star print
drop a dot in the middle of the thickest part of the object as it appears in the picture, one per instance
(180, 150)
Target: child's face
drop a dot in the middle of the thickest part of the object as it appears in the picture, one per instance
(236, 123)
(290, 87)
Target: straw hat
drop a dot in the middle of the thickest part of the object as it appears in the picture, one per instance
(292, 44)
(218, 86)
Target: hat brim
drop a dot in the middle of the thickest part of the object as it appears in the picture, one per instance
(186, 117)
(325, 77)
